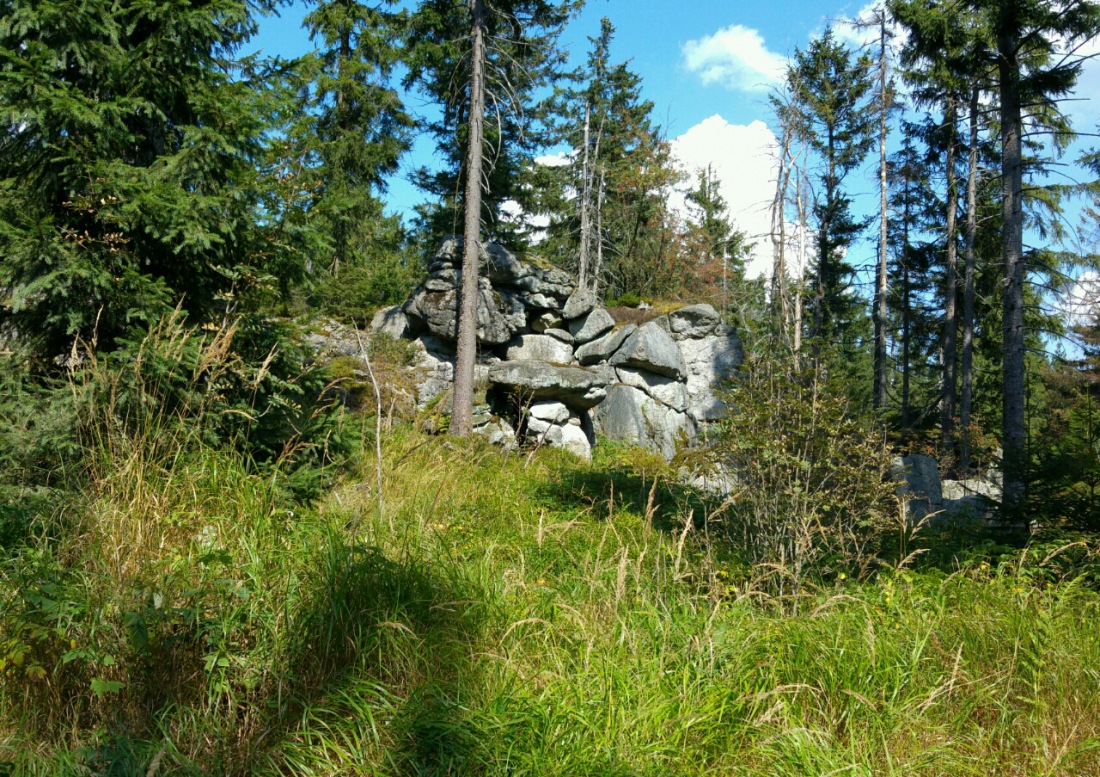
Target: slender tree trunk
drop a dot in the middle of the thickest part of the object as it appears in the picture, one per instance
(340, 248)
(797, 324)
(950, 292)
(599, 236)
(906, 312)
(879, 399)
(466, 355)
(586, 199)
(1012, 247)
(780, 310)
(966, 401)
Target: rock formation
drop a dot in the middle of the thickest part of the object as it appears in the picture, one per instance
(955, 501)
(555, 368)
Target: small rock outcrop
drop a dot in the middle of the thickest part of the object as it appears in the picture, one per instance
(555, 368)
(956, 501)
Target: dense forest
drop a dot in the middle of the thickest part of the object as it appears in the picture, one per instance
(220, 554)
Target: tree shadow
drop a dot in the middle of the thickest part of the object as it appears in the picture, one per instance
(632, 480)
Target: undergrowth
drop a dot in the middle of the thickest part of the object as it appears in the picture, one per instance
(513, 614)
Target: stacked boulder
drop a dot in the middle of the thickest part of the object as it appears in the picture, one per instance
(555, 368)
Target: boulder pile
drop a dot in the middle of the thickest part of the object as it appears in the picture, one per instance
(555, 368)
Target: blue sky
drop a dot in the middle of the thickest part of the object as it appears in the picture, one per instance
(707, 66)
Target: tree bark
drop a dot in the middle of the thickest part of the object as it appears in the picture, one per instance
(966, 400)
(879, 397)
(950, 293)
(586, 198)
(780, 311)
(1012, 248)
(462, 401)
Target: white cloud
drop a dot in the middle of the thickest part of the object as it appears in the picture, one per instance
(1079, 303)
(743, 160)
(735, 57)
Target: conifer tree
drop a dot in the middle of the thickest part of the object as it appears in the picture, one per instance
(1030, 72)
(128, 165)
(830, 89)
(481, 64)
(356, 127)
(613, 225)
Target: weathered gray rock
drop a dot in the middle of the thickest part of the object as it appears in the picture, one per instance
(918, 477)
(543, 322)
(539, 301)
(502, 266)
(974, 500)
(559, 334)
(551, 412)
(580, 302)
(594, 324)
(499, 432)
(330, 339)
(500, 315)
(574, 440)
(602, 349)
(651, 349)
(574, 386)
(667, 391)
(542, 348)
(693, 322)
(630, 415)
(391, 322)
(709, 361)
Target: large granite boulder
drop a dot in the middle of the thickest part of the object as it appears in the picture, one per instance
(692, 322)
(667, 391)
(602, 349)
(651, 349)
(593, 324)
(575, 387)
(391, 322)
(580, 302)
(500, 315)
(709, 361)
(630, 415)
(543, 348)
(971, 501)
(918, 478)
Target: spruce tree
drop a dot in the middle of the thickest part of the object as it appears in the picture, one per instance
(482, 65)
(830, 90)
(129, 178)
(356, 129)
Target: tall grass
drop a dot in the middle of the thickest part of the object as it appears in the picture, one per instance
(507, 614)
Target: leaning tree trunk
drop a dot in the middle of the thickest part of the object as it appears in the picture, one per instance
(1014, 434)
(462, 403)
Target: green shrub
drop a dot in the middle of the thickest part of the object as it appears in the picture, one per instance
(358, 290)
(812, 499)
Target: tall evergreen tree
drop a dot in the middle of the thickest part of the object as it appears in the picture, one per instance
(830, 89)
(1031, 72)
(128, 164)
(612, 224)
(356, 127)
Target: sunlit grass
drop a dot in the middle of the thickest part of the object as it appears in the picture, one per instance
(520, 615)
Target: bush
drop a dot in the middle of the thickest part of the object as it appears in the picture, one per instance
(813, 499)
(358, 290)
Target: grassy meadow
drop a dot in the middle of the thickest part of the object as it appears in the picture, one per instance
(512, 614)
